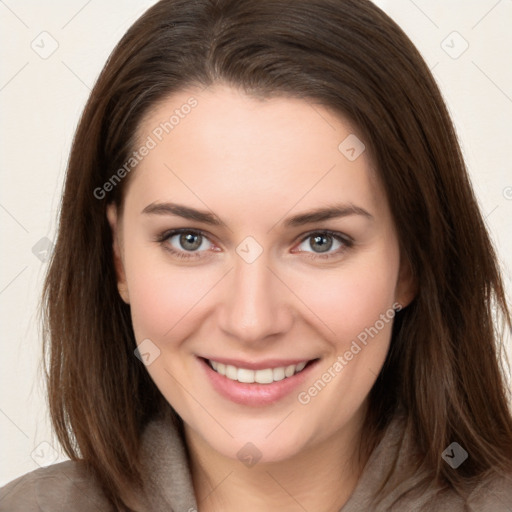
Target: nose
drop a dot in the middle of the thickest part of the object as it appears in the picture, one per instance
(256, 304)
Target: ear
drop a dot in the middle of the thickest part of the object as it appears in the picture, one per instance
(406, 286)
(115, 226)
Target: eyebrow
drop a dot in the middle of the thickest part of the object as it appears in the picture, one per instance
(206, 217)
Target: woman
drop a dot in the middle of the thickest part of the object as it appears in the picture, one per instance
(272, 287)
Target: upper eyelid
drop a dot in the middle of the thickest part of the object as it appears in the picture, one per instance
(176, 231)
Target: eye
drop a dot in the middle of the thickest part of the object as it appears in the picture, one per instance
(185, 243)
(324, 244)
(193, 244)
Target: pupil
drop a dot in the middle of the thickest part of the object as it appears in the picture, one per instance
(190, 241)
(324, 243)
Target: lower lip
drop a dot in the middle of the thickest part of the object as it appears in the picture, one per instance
(255, 394)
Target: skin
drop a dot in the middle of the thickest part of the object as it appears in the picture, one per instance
(253, 164)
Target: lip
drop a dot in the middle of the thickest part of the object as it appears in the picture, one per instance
(255, 395)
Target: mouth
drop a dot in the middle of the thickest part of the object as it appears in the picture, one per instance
(256, 384)
(259, 376)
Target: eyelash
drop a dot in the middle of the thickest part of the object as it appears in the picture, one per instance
(164, 238)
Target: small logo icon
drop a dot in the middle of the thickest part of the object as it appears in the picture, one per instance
(44, 454)
(147, 352)
(43, 249)
(45, 45)
(454, 45)
(249, 455)
(352, 147)
(455, 455)
(249, 249)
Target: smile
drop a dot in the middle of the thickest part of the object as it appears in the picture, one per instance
(256, 383)
(262, 376)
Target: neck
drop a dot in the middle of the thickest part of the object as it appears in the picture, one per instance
(321, 477)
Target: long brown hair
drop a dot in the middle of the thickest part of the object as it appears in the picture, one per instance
(443, 367)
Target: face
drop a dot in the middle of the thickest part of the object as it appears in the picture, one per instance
(261, 265)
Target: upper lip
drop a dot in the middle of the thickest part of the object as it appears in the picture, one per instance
(258, 365)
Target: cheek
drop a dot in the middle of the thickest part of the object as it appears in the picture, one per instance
(164, 298)
(356, 303)
(159, 301)
(351, 298)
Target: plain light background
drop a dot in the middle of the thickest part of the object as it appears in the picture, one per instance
(52, 53)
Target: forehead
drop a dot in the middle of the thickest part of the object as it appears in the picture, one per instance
(219, 143)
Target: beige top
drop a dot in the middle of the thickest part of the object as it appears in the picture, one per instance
(66, 487)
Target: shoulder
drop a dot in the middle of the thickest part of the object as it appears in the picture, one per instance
(60, 487)
(411, 489)
(493, 493)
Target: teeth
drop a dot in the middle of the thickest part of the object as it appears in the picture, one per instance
(244, 375)
(278, 373)
(289, 370)
(300, 366)
(231, 372)
(265, 376)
